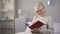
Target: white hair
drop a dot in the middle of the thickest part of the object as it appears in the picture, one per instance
(38, 6)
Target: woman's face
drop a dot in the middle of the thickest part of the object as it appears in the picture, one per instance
(41, 11)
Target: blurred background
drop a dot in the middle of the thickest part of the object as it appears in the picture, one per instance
(27, 7)
(14, 13)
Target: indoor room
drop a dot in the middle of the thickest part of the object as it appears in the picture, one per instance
(16, 16)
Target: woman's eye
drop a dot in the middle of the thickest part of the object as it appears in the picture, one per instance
(39, 11)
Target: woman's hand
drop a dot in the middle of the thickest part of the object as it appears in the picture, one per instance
(35, 30)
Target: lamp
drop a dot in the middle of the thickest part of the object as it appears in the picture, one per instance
(51, 2)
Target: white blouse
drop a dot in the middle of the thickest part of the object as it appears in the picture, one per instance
(46, 20)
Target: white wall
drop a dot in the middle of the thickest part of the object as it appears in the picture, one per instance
(53, 10)
(28, 8)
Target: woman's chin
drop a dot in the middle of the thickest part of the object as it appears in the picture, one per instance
(41, 14)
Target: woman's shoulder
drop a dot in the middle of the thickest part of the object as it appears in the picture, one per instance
(35, 16)
(43, 16)
(50, 17)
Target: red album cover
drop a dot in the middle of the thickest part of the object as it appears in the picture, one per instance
(37, 24)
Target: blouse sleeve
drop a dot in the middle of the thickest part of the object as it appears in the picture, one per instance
(50, 22)
(51, 25)
(34, 19)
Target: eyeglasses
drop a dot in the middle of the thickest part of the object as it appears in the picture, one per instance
(40, 10)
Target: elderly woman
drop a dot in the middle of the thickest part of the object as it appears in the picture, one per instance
(42, 16)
